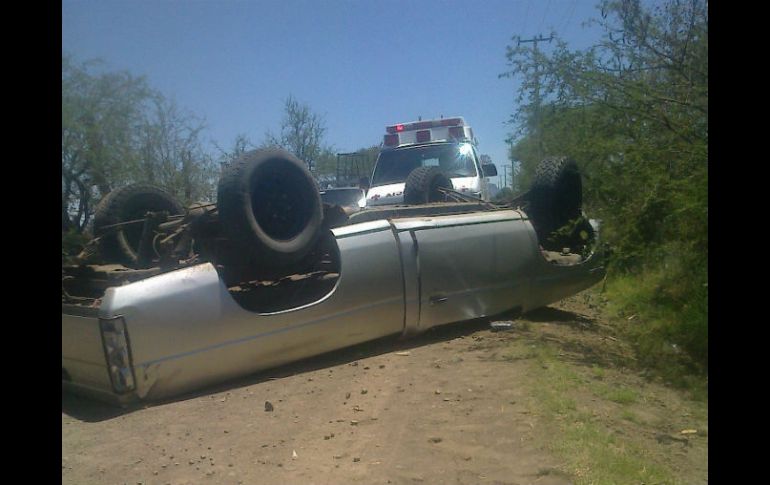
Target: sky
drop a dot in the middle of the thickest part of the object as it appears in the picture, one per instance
(361, 65)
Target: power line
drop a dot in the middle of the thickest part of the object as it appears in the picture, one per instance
(545, 13)
(526, 16)
(564, 26)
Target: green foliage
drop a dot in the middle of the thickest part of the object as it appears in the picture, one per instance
(302, 132)
(117, 130)
(618, 394)
(352, 166)
(72, 243)
(633, 112)
(590, 449)
(172, 155)
(505, 195)
(665, 309)
(99, 112)
(241, 144)
(325, 168)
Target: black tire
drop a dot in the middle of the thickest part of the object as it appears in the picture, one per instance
(422, 186)
(132, 202)
(269, 208)
(556, 196)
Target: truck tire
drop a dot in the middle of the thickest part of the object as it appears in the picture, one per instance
(132, 202)
(555, 197)
(269, 208)
(422, 186)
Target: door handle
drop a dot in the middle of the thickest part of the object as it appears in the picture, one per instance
(437, 299)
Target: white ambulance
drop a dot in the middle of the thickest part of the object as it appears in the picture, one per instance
(447, 143)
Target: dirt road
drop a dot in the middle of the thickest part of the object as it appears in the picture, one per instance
(457, 405)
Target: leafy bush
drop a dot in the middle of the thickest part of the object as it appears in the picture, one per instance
(664, 308)
(633, 112)
(72, 243)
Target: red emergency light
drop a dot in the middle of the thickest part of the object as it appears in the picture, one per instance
(424, 125)
(422, 128)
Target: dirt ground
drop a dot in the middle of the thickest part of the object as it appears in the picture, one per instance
(454, 406)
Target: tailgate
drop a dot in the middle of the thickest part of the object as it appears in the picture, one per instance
(83, 363)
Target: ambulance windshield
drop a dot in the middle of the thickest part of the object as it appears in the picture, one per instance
(394, 166)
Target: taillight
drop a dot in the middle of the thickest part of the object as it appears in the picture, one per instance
(423, 136)
(117, 354)
(394, 128)
(391, 140)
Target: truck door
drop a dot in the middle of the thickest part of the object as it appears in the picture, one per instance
(470, 265)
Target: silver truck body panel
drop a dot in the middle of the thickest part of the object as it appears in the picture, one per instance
(400, 276)
(470, 266)
(83, 355)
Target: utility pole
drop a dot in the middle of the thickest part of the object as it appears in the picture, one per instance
(505, 175)
(537, 100)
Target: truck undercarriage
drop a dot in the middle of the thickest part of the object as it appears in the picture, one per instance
(165, 299)
(141, 232)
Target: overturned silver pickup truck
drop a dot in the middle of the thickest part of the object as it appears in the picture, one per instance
(168, 300)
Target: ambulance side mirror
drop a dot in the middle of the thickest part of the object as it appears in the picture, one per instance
(489, 169)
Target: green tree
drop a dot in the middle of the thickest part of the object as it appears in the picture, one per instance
(325, 169)
(172, 155)
(302, 132)
(365, 161)
(351, 167)
(241, 144)
(117, 130)
(504, 195)
(633, 111)
(100, 113)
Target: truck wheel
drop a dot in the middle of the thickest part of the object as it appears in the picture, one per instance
(556, 195)
(422, 186)
(269, 207)
(124, 204)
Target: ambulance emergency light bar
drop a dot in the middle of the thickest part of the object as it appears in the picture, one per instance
(425, 131)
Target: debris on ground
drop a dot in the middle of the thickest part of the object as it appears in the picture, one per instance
(500, 326)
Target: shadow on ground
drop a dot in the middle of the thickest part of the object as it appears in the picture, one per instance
(555, 315)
